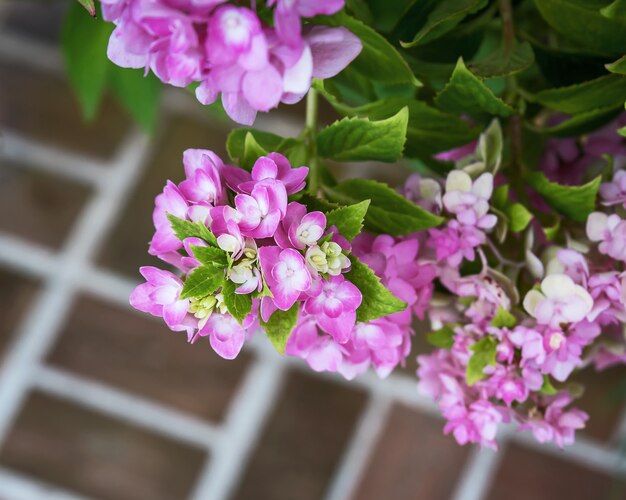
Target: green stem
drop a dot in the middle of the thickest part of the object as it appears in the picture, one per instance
(311, 139)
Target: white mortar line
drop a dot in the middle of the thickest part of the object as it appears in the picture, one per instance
(360, 448)
(30, 154)
(40, 325)
(108, 400)
(16, 486)
(27, 52)
(478, 472)
(243, 427)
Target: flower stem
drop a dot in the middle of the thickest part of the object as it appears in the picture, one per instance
(311, 140)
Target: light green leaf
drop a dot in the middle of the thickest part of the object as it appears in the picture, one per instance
(280, 325)
(490, 147)
(442, 338)
(377, 300)
(236, 142)
(604, 92)
(202, 281)
(138, 93)
(210, 256)
(575, 202)
(582, 23)
(618, 66)
(503, 319)
(547, 388)
(89, 7)
(500, 196)
(504, 63)
(443, 18)
(84, 41)
(466, 93)
(252, 151)
(187, 229)
(355, 139)
(388, 212)
(238, 305)
(348, 220)
(519, 216)
(484, 354)
(378, 60)
(615, 10)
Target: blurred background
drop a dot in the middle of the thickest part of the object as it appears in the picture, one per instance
(98, 401)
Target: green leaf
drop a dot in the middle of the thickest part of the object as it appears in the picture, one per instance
(443, 18)
(581, 123)
(575, 202)
(388, 212)
(379, 60)
(348, 220)
(252, 151)
(239, 305)
(618, 66)
(84, 41)
(210, 256)
(500, 196)
(187, 229)
(89, 7)
(202, 281)
(582, 23)
(139, 94)
(377, 300)
(490, 147)
(503, 319)
(442, 338)
(236, 142)
(519, 217)
(604, 92)
(315, 204)
(547, 388)
(484, 354)
(280, 325)
(616, 10)
(355, 139)
(504, 63)
(466, 93)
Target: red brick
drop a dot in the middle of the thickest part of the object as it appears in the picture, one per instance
(16, 295)
(138, 353)
(526, 474)
(48, 205)
(43, 107)
(413, 459)
(303, 442)
(127, 246)
(79, 450)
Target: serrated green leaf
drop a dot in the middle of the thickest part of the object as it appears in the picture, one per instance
(210, 256)
(202, 281)
(89, 7)
(483, 355)
(280, 325)
(187, 229)
(238, 305)
(503, 319)
(581, 123)
(519, 217)
(504, 63)
(575, 202)
(604, 92)
(466, 93)
(315, 204)
(443, 18)
(139, 94)
(582, 23)
(356, 139)
(378, 60)
(442, 338)
(377, 301)
(389, 212)
(84, 41)
(348, 220)
(618, 66)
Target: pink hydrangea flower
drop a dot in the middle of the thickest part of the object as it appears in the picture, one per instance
(286, 275)
(262, 210)
(226, 336)
(610, 232)
(300, 229)
(468, 200)
(614, 192)
(173, 202)
(160, 296)
(334, 302)
(287, 16)
(559, 300)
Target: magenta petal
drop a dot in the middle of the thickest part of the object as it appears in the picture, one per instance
(262, 89)
(226, 335)
(268, 257)
(140, 299)
(264, 168)
(332, 49)
(339, 328)
(238, 108)
(267, 308)
(175, 313)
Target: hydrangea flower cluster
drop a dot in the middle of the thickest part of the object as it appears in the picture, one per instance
(228, 49)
